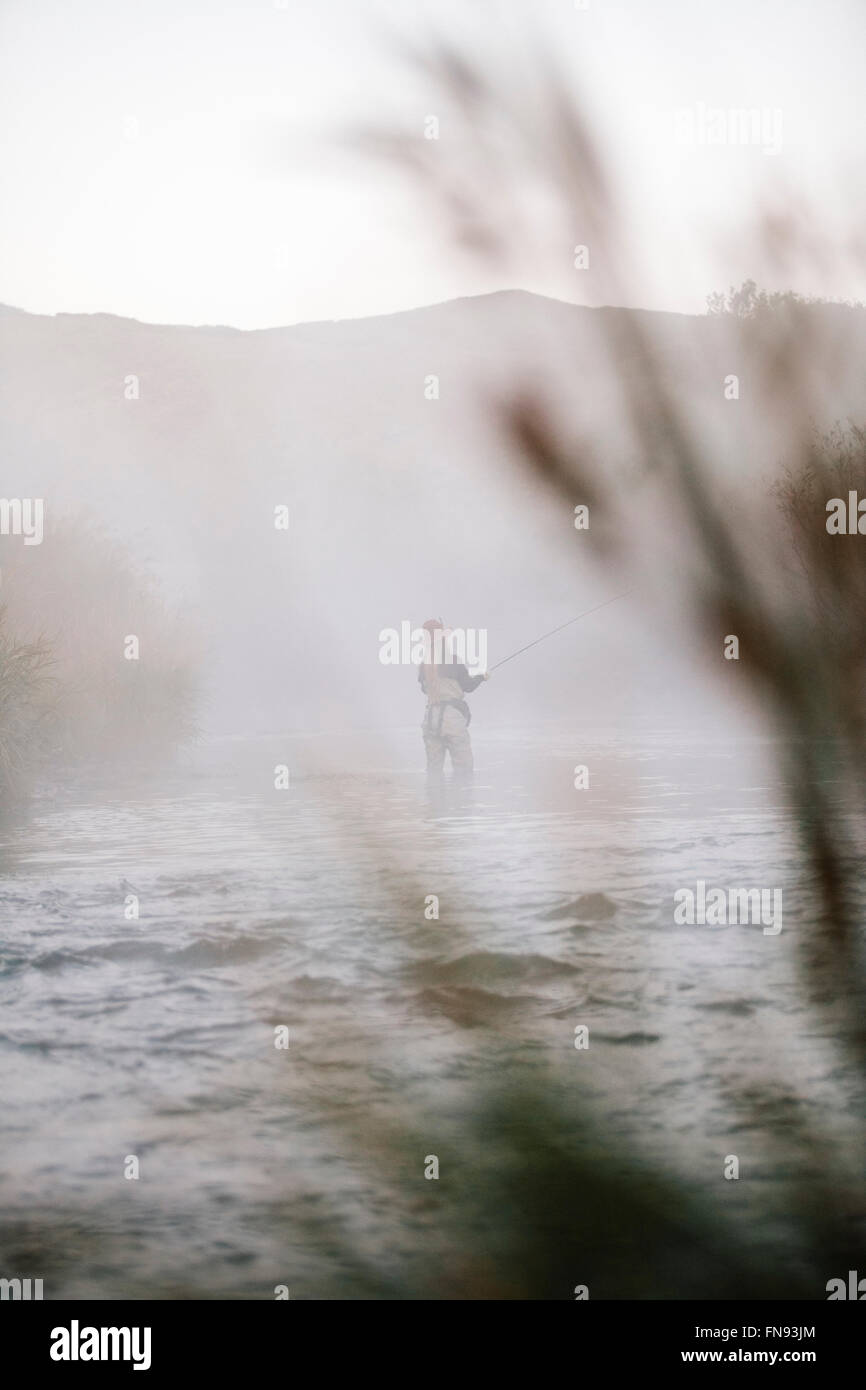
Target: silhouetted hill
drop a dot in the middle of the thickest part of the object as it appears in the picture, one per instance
(400, 505)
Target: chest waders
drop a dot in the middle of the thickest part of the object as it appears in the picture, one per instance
(433, 723)
(440, 738)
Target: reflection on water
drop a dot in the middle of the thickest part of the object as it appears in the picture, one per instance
(306, 908)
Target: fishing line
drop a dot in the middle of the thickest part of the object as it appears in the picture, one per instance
(560, 628)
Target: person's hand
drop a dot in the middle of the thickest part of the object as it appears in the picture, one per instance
(487, 675)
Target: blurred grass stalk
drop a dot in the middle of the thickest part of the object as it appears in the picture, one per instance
(759, 563)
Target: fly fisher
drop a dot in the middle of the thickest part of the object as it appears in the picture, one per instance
(445, 682)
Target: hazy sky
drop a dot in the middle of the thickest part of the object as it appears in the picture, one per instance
(165, 160)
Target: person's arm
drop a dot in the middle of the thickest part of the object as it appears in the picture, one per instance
(465, 681)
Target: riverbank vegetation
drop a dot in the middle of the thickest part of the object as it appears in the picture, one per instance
(95, 667)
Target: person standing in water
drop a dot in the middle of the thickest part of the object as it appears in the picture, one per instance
(447, 716)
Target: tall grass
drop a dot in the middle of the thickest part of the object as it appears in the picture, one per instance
(551, 1193)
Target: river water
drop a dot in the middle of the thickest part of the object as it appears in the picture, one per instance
(304, 908)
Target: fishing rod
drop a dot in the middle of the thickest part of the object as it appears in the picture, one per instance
(561, 626)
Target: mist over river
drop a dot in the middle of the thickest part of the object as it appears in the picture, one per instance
(305, 908)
